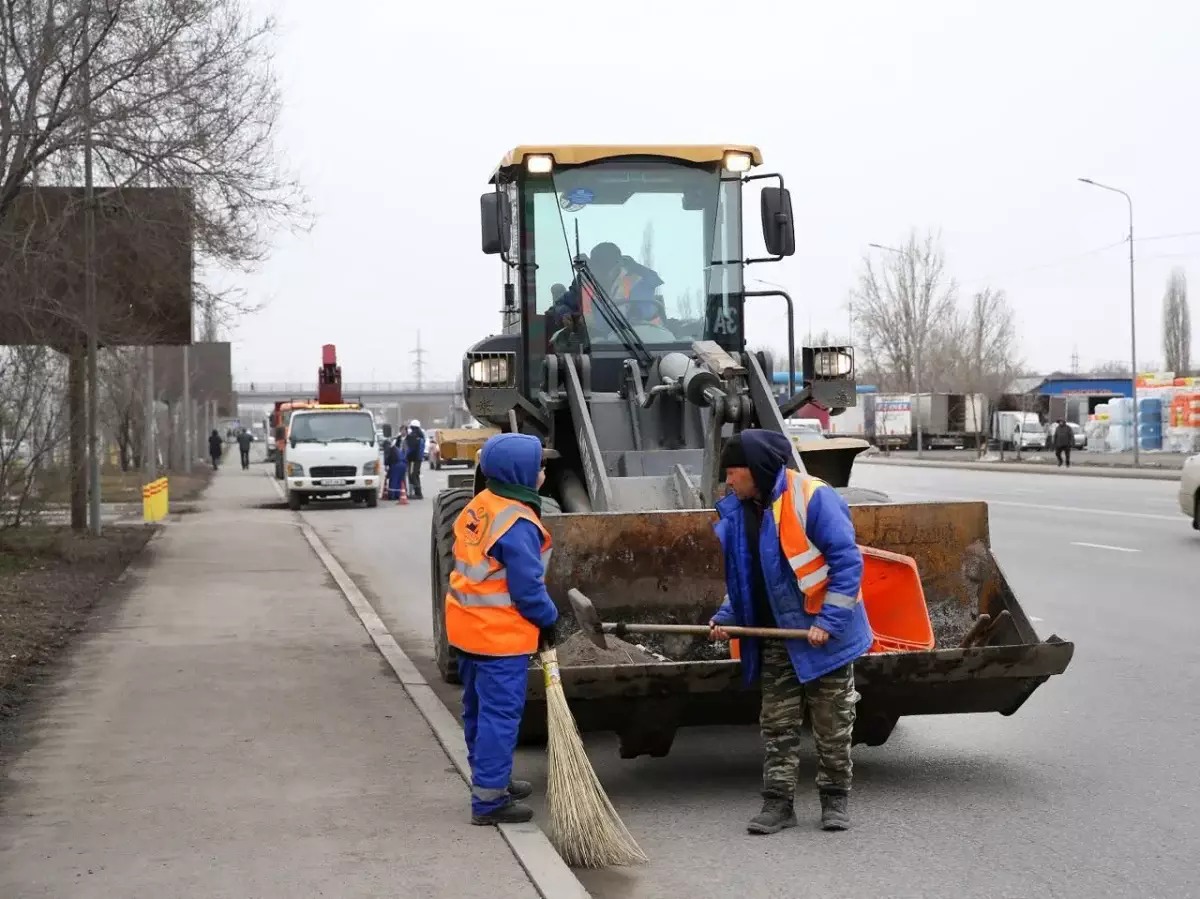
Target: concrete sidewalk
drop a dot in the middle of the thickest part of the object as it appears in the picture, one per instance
(233, 733)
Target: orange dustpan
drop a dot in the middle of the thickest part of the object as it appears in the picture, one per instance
(894, 601)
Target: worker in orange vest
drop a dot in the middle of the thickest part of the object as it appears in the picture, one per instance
(497, 614)
(630, 285)
(792, 561)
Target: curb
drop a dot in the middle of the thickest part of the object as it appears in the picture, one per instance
(1082, 471)
(542, 864)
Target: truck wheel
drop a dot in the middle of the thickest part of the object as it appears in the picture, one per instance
(873, 731)
(372, 498)
(446, 508)
(295, 500)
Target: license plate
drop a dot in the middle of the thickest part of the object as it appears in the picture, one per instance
(333, 482)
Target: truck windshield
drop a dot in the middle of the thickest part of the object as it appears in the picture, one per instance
(654, 235)
(333, 427)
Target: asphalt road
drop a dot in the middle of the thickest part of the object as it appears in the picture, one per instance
(1090, 790)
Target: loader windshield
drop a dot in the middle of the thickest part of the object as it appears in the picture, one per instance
(654, 236)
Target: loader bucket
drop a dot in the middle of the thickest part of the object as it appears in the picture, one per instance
(666, 567)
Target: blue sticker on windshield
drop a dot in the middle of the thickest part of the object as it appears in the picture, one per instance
(579, 196)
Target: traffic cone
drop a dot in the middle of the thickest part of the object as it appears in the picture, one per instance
(403, 501)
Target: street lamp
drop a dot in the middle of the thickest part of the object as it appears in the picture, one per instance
(1132, 318)
(918, 341)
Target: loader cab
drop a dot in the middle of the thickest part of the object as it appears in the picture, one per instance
(656, 229)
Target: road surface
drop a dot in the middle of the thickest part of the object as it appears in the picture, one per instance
(1089, 791)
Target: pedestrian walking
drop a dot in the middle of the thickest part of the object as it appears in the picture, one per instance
(497, 611)
(244, 440)
(1064, 441)
(215, 448)
(792, 561)
(414, 452)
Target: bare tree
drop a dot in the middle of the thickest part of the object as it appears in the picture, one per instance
(988, 349)
(648, 245)
(181, 95)
(1177, 325)
(901, 307)
(33, 428)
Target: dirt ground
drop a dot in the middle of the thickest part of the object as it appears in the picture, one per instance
(51, 581)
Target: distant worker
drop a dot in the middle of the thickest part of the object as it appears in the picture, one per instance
(792, 561)
(244, 440)
(497, 613)
(1064, 441)
(395, 469)
(624, 280)
(414, 452)
(215, 448)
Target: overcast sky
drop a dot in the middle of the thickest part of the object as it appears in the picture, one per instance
(972, 118)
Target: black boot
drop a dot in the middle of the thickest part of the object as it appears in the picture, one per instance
(776, 814)
(512, 812)
(520, 789)
(835, 810)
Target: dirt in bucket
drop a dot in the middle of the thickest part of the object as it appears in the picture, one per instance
(579, 650)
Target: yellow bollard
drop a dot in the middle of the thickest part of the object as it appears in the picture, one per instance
(155, 501)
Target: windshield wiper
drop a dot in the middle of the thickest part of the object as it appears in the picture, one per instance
(350, 440)
(613, 316)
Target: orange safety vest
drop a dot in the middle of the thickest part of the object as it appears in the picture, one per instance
(481, 617)
(790, 512)
(622, 289)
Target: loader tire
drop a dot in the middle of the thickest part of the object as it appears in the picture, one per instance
(446, 508)
(860, 496)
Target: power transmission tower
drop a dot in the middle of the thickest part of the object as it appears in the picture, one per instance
(419, 362)
(1075, 361)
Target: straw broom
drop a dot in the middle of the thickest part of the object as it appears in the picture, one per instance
(584, 827)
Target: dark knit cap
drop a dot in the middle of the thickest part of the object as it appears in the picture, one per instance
(733, 454)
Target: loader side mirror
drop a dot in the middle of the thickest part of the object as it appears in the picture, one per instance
(495, 223)
(779, 231)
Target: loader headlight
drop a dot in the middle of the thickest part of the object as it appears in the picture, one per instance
(832, 363)
(490, 372)
(736, 162)
(539, 164)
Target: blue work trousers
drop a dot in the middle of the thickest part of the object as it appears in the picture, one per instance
(493, 700)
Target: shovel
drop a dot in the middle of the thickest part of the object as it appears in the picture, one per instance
(595, 629)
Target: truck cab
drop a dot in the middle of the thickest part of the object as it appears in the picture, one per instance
(329, 452)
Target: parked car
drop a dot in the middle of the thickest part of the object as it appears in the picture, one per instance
(1189, 489)
(1081, 440)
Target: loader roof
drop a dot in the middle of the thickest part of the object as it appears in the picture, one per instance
(581, 154)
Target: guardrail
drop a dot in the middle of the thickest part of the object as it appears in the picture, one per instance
(296, 388)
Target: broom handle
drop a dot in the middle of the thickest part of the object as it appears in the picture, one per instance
(701, 630)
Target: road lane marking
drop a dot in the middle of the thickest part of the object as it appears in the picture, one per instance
(1119, 549)
(926, 497)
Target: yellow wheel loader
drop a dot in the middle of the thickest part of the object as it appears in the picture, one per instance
(623, 350)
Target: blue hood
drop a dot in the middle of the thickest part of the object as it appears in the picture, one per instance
(512, 459)
(767, 453)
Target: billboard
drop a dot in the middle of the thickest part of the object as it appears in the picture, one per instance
(143, 266)
(211, 370)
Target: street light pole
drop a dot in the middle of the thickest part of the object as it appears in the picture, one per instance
(1137, 437)
(918, 340)
(89, 288)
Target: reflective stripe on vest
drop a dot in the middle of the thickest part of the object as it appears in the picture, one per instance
(480, 615)
(790, 512)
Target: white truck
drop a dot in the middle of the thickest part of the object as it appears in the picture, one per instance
(1018, 430)
(332, 452)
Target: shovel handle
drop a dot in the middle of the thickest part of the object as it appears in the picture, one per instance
(702, 630)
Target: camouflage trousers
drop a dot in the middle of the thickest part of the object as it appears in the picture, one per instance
(829, 701)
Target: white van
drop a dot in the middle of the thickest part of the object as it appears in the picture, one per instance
(332, 452)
